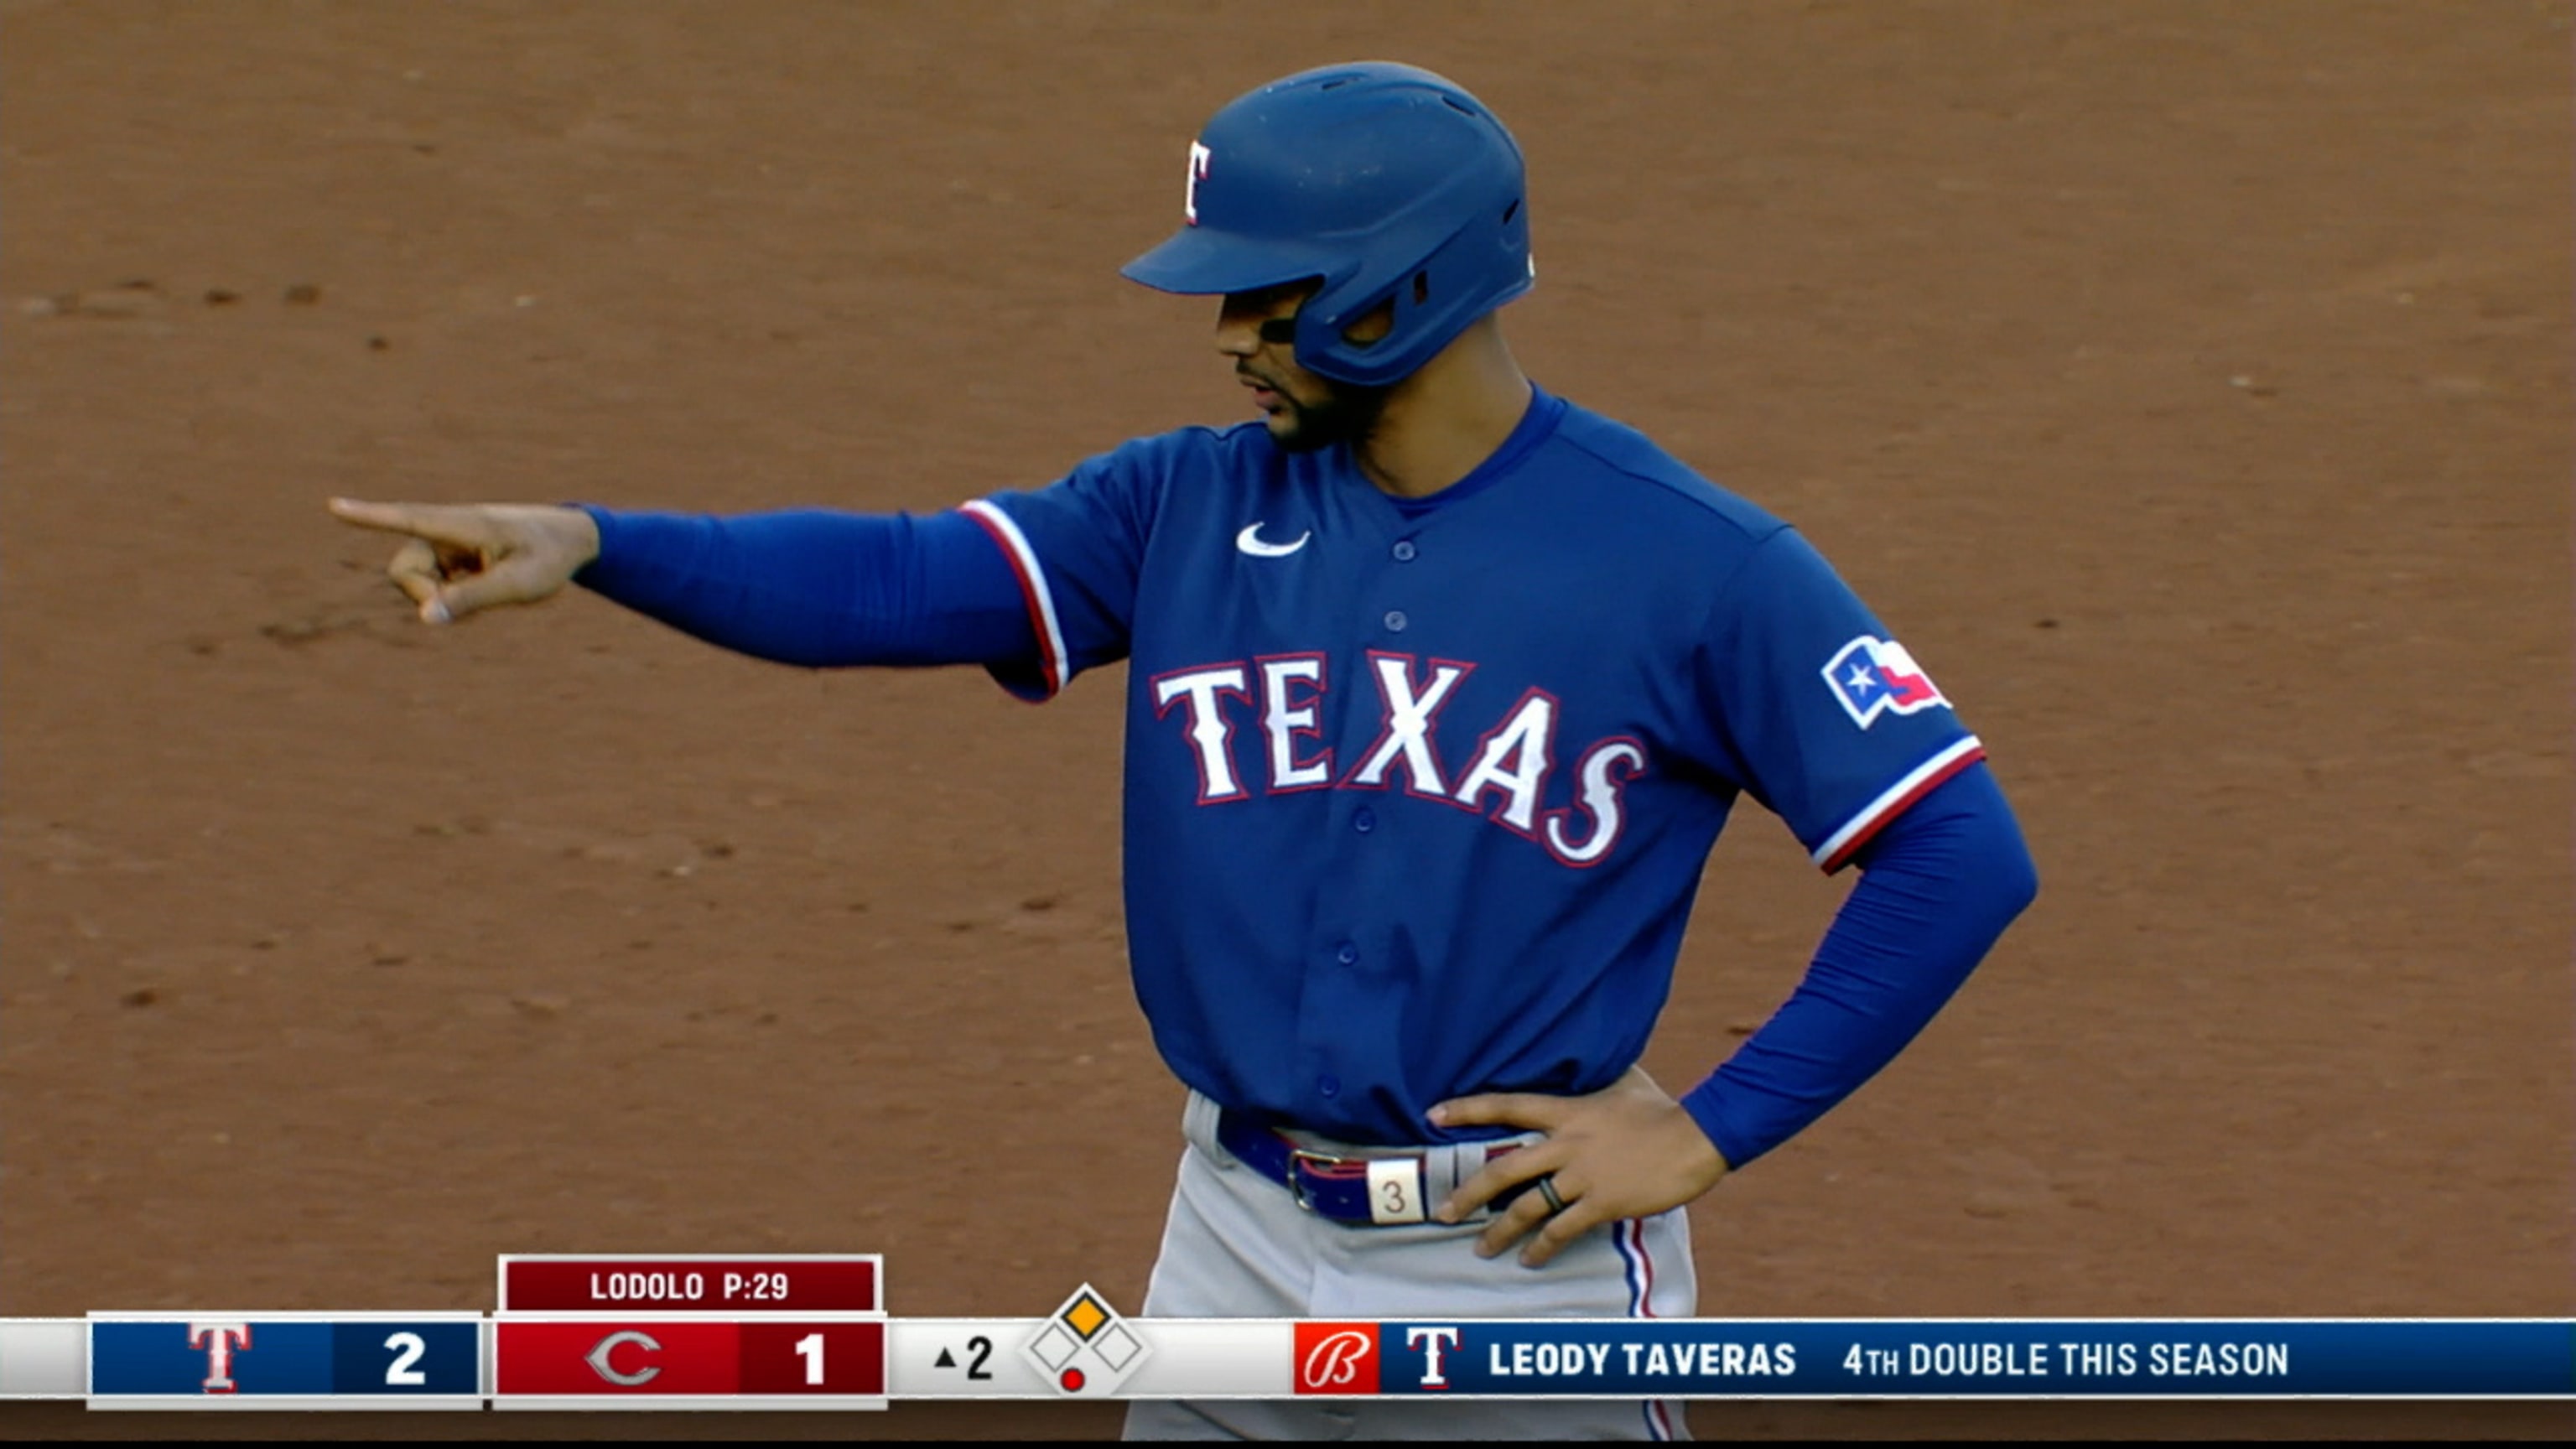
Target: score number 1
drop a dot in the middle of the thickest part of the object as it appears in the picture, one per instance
(810, 1349)
(805, 1358)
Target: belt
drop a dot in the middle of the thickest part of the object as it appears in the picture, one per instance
(1380, 1190)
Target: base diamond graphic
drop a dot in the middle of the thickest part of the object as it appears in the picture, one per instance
(1086, 1349)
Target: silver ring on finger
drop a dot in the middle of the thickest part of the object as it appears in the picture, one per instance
(1547, 1192)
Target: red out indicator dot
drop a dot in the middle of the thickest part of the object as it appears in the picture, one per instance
(1073, 1381)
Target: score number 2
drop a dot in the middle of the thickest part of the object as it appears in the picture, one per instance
(408, 1348)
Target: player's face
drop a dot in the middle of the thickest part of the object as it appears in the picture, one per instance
(1303, 412)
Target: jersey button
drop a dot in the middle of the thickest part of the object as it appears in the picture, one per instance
(1330, 1086)
(1364, 821)
(1349, 955)
(1404, 550)
(1395, 621)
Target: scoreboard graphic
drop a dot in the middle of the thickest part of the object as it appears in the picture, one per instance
(286, 1361)
(726, 1332)
(811, 1332)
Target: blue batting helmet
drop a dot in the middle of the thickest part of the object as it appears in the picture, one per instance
(1391, 184)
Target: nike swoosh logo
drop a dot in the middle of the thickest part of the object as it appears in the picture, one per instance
(1250, 542)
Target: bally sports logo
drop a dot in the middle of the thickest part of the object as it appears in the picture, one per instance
(1337, 1358)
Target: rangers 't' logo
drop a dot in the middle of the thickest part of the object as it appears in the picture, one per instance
(1200, 156)
(1337, 1358)
(221, 1341)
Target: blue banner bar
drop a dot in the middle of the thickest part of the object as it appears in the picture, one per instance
(419, 1360)
(300, 1358)
(2173, 1358)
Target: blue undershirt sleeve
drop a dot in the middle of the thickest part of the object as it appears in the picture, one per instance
(1938, 885)
(816, 587)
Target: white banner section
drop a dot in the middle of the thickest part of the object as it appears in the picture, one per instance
(44, 1358)
(1124, 1358)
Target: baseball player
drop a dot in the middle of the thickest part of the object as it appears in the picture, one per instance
(1440, 689)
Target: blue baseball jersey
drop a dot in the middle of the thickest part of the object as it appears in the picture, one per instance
(1419, 792)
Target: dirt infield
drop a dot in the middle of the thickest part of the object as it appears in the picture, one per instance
(2189, 385)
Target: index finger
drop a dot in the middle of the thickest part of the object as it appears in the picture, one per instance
(438, 522)
(1501, 1109)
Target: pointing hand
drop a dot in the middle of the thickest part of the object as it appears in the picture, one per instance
(460, 558)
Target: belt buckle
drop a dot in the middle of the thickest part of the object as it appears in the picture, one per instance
(1298, 1157)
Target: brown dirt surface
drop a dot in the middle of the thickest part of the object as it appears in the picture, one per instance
(2189, 384)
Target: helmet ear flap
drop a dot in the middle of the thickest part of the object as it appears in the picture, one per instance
(1477, 269)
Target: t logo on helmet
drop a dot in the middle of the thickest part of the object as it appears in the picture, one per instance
(1369, 179)
(1198, 172)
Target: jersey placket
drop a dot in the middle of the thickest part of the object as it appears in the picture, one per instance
(1346, 1009)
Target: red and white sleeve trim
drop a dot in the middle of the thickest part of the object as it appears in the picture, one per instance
(1033, 587)
(1840, 846)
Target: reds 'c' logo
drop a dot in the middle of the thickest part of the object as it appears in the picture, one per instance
(1337, 1358)
(1199, 157)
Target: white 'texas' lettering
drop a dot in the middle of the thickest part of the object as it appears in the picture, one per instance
(1285, 722)
(1515, 759)
(1208, 728)
(1597, 782)
(1407, 736)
